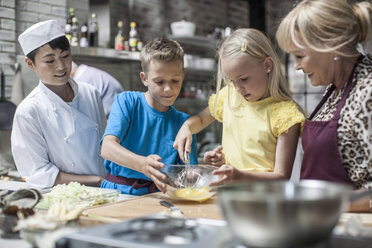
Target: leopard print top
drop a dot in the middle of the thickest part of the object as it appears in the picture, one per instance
(355, 125)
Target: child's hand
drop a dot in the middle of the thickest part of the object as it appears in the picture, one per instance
(151, 168)
(215, 157)
(183, 142)
(226, 174)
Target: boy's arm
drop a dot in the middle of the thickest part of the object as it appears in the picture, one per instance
(150, 165)
(191, 126)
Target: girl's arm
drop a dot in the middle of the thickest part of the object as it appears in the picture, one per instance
(191, 126)
(286, 152)
(284, 157)
(150, 165)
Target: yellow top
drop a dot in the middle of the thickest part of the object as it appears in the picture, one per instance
(251, 129)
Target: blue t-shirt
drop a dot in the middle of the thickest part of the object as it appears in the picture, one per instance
(143, 131)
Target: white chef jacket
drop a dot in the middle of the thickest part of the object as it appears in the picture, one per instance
(107, 86)
(50, 135)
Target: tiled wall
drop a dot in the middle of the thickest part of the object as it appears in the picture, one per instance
(304, 93)
(7, 40)
(153, 18)
(15, 17)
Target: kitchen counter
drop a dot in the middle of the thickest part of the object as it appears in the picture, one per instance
(13, 185)
(13, 243)
(146, 205)
(129, 207)
(16, 185)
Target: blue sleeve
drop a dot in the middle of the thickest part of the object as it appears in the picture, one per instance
(119, 120)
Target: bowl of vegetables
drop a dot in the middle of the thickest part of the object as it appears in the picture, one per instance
(76, 194)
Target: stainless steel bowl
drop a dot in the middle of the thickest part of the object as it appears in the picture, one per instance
(282, 214)
(193, 177)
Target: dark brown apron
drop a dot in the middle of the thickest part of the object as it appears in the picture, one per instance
(321, 158)
(134, 182)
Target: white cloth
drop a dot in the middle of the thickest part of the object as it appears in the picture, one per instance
(50, 135)
(39, 34)
(107, 86)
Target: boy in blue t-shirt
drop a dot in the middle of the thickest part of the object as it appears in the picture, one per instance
(141, 129)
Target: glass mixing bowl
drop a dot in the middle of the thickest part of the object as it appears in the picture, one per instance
(189, 182)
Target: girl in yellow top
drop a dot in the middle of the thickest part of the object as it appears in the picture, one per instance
(261, 122)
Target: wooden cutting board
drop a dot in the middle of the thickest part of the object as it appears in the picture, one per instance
(365, 218)
(145, 205)
(149, 204)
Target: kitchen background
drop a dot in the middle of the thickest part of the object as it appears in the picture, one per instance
(153, 19)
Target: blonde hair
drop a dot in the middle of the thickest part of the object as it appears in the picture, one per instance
(161, 49)
(326, 26)
(254, 43)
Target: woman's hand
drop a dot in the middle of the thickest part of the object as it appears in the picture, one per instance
(215, 157)
(151, 166)
(183, 141)
(226, 174)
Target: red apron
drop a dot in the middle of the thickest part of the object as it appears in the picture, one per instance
(321, 158)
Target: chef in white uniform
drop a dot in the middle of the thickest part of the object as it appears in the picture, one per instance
(57, 127)
(108, 87)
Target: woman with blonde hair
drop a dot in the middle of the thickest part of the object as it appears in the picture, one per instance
(323, 37)
(261, 122)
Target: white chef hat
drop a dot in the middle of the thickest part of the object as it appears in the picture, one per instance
(39, 34)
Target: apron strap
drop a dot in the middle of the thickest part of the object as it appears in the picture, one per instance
(346, 92)
(324, 99)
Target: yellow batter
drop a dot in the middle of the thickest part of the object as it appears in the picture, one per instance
(193, 194)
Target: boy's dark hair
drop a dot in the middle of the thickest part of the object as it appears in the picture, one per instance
(161, 49)
(60, 43)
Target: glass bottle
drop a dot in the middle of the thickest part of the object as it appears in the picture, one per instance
(126, 46)
(75, 32)
(139, 45)
(93, 31)
(119, 38)
(84, 35)
(68, 25)
(133, 37)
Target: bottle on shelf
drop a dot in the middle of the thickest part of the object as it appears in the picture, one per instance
(126, 46)
(93, 30)
(139, 45)
(133, 37)
(68, 25)
(119, 38)
(84, 35)
(75, 32)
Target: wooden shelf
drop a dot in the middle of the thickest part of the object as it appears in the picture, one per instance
(105, 54)
(198, 41)
(202, 72)
(191, 102)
